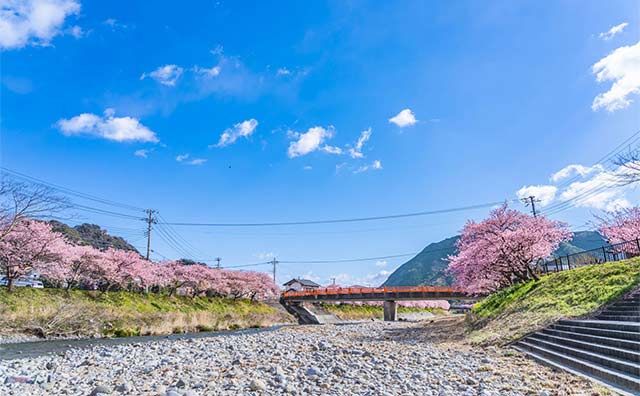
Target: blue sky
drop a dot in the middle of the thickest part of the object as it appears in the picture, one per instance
(236, 112)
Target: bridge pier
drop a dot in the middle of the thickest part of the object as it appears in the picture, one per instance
(390, 311)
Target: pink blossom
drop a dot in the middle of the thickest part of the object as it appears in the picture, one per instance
(503, 249)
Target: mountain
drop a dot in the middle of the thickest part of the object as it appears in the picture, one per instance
(91, 234)
(429, 266)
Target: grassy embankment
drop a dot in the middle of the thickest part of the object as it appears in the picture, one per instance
(53, 312)
(521, 309)
(366, 312)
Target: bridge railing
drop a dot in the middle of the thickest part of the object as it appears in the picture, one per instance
(372, 290)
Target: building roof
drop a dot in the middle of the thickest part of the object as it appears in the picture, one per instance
(303, 282)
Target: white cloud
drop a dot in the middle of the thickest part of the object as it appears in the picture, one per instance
(309, 141)
(119, 129)
(307, 167)
(184, 158)
(381, 263)
(574, 169)
(356, 151)
(375, 165)
(208, 72)
(33, 22)
(599, 192)
(622, 66)
(545, 194)
(404, 118)
(241, 129)
(77, 32)
(597, 188)
(196, 161)
(331, 149)
(142, 153)
(608, 35)
(166, 75)
(283, 71)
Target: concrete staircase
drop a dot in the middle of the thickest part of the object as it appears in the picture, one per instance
(605, 348)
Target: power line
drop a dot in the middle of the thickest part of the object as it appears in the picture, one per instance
(69, 191)
(347, 220)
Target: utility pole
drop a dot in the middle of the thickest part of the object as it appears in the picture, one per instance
(531, 200)
(150, 220)
(274, 262)
(218, 262)
(333, 281)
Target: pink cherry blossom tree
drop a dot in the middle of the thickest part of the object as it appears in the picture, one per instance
(72, 265)
(503, 249)
(28, 245)
(621, 226)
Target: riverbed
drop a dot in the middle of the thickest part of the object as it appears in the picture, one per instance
(372, 358)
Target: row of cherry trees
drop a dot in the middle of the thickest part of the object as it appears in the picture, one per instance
(31, 245)
(502, 249)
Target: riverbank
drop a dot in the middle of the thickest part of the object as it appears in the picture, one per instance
(26, 314)
(374, 358)
(519, 310)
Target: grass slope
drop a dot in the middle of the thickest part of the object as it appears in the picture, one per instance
(52, 312)
(521, 309)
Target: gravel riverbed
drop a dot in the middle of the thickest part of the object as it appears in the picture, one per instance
(374, 358)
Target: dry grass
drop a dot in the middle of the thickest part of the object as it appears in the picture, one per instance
(50, 312)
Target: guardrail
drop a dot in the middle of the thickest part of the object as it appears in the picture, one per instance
(607, 253)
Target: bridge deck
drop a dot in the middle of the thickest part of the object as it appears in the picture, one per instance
(397, 293)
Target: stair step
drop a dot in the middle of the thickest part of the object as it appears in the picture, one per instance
(603, 324)
(620, 311)
(620, 318)
(606, 350)
(599, 359)
(585, 368)
(623, 335)
(610, 341)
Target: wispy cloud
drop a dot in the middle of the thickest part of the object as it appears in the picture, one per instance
(186, 159)
(375, 165)
(142, 153)
(608, 35)
(166, 75)
(241, 129)
(356, 151)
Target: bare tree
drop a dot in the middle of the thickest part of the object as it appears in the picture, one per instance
(630, 167)
(20, 200)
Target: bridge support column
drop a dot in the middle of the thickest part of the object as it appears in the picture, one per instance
(390, 311)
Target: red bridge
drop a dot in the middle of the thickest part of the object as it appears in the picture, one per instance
(389, 295)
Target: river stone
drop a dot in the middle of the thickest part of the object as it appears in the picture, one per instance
(100, 390)
(257, 385)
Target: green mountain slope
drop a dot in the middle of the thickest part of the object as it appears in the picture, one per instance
(429, 266)
(91, 234)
